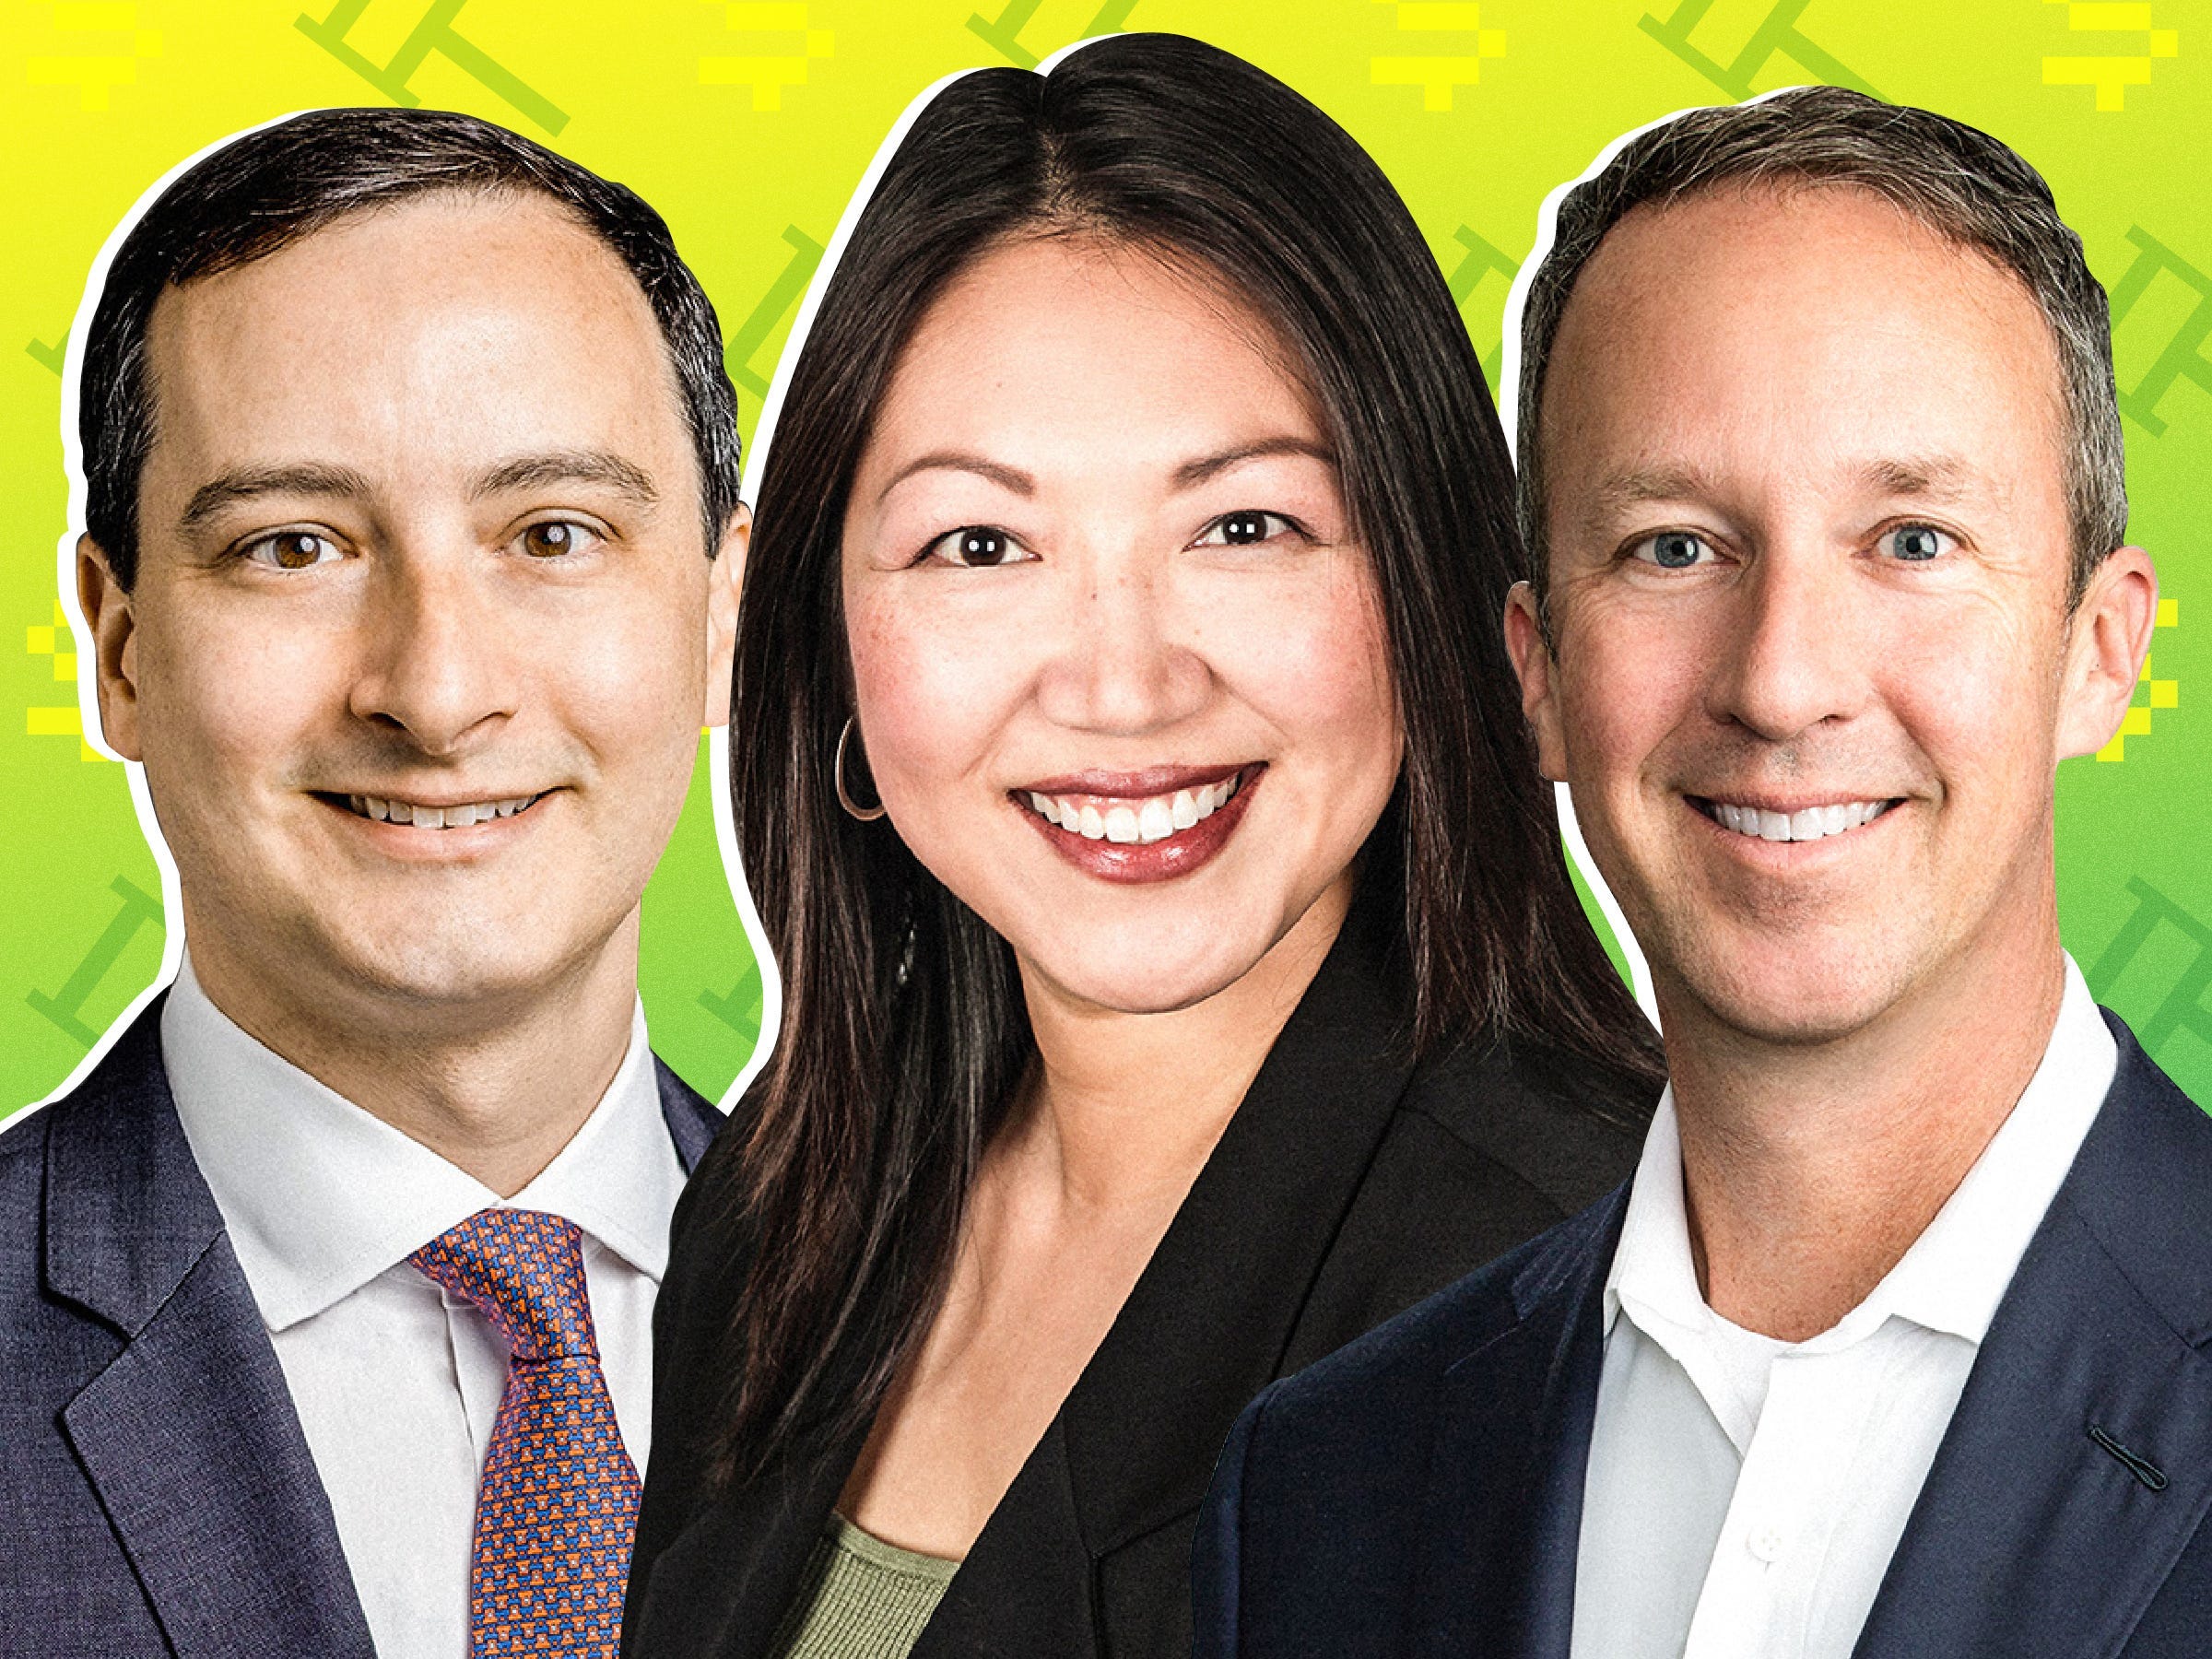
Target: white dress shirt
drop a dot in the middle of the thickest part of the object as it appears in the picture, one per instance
(396, 1382)
(1743, 1495)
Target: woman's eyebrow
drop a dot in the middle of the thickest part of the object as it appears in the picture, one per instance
(1005, 478)
(1193, 473)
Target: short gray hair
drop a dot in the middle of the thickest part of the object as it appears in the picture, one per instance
(1960, 183)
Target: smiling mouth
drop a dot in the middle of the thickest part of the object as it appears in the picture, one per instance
(459, 816)
(1806, 824)
(1140, 821)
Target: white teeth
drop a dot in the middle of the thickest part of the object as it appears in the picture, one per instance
(1808, 824)
(437, 817)
(1146, 821)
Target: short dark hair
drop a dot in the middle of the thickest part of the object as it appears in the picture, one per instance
(269, 189)
(1958, 182)
(904, 1033)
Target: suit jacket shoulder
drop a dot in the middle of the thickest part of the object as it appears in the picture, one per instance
(693, 1121)
(2065, 1512)
(1421, 1491)
(157, 1496)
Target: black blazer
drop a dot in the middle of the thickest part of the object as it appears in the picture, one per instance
(156, 1495)
(1349, 1183)
(1421, 1493)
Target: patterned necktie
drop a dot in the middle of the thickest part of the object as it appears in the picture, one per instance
(559, 1498)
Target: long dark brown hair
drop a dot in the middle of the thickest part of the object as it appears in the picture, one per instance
(904, 1037)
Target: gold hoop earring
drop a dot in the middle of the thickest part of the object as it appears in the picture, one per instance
(866, 814)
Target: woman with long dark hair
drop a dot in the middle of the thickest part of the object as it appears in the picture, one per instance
(1181, 974)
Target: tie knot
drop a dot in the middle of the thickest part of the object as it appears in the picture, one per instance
(524, 1271)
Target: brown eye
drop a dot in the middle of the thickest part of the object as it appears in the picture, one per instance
(555, 537)
(1245, 529)
(291, 549)
(977, 546)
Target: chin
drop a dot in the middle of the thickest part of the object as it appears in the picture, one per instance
(453, 966)
(1132, 980)
(1786, 1005)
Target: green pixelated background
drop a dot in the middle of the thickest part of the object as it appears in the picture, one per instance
(748, 124)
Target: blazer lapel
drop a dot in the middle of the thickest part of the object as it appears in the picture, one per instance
(188, 1435)
(1209, 1321)
(1205, 1327)
(1504, 1508)
(2079, 1461)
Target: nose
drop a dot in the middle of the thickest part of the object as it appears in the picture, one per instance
(1789, 654)
(434, 656)
(1126, 657)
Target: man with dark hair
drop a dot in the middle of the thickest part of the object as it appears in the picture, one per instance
(412, 541)
(1896, 1343)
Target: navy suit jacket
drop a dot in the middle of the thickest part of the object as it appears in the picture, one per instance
(1420, 1492)
(156, 1495)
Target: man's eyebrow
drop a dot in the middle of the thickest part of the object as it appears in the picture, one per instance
(569, 467)
(244, 483)
(1633, 486)
(1945, 478)
(1193, 473)
(1005, 478)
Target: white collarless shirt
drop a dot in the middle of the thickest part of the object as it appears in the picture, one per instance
(396, 1382)
(1743, 1495)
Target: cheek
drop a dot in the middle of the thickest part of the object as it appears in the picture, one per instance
(1313, 660)
(929, 690)
(1621, 690)
(1977, 693)
(628, 680)
(228, 694)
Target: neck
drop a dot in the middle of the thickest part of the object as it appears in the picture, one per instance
(496, 1084)
(1126, 1108)
(1809, 1169)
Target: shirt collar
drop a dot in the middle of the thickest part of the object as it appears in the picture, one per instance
(319, 1196)
(1956, 1272)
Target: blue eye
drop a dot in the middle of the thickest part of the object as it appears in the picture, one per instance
(291, 550)
(1673, 550)
(977, 546)
(1915, 542)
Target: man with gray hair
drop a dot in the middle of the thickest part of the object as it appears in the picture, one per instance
(1896, 1343)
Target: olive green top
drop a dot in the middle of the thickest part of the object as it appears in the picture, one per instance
(862, 1598)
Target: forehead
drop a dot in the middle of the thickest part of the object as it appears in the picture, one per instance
(1045, 344)
(477, 321)
(1798, 332)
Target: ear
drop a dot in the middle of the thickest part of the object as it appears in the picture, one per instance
(110, 612)
(723, 581)
(1535, 667)
(2108, 639)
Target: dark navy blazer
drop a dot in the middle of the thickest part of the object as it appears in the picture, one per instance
(1420, 1492)
(156, 1496)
